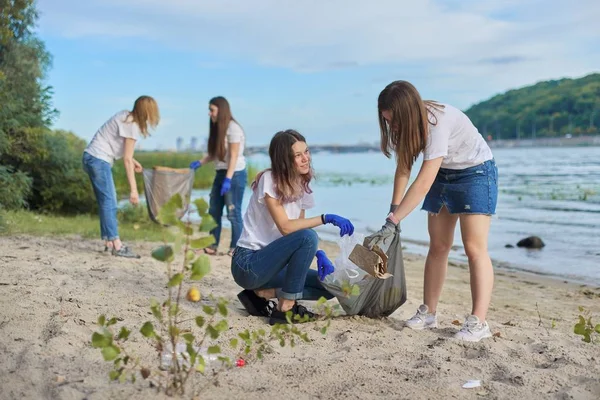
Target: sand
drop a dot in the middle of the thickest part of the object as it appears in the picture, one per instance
(53, 289)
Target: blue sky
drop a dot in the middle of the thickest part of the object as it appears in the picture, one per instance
(315, 66)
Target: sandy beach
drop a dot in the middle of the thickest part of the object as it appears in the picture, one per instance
(52, 291)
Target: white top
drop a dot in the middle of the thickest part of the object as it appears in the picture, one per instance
(108, 143)
(235, 134)
(455, 138)
(259, 227)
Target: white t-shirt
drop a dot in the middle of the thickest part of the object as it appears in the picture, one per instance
(108, 143)
(235, 134)
(259, 227)
(455, 138)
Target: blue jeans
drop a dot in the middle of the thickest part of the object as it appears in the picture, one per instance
(234, 209)
(283, 265)
(100, 173)
(464, 191)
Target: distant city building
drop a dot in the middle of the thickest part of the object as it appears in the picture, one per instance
(193, 143)
(179, 145)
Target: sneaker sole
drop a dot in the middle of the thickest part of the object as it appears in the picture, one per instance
(422, 328)
(248, 305)
(465, 338)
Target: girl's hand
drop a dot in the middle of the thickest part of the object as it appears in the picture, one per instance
(134, 198)
(324, 265)
(346, 227)
(137, 167)
(195, 164)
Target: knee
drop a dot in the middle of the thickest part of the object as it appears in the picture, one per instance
(234, 215)
(440, 248)
(310, 238)
(475, 250)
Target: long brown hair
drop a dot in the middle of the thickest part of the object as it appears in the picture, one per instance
(289, 184)
(406, 134)
(218, 129)
(145, 112)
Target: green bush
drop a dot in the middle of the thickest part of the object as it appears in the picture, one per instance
(130, 214)
(52, 160)
(14, 188)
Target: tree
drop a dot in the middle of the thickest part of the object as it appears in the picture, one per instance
(25, 100)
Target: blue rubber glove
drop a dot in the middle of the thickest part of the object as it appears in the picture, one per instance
(325, 267)
(346, 227)
(195, 165)
(225, 186)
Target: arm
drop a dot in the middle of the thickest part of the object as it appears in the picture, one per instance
(137, 167)
(206, 159)
(234, 151)
(129, 169)
(400, 182)
(419, 188)
(283, 223)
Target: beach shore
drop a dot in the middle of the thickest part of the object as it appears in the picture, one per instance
(52, 291)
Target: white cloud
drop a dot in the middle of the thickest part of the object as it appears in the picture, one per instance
(460, 50)
(315, 34)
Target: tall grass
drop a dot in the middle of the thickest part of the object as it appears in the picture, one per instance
(203, 177)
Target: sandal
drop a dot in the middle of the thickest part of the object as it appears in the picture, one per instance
(256, 305)
(211, 251)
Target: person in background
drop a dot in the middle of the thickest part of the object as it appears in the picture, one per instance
(114, 140)
(277, 246)
(226, 149)
(458, 180)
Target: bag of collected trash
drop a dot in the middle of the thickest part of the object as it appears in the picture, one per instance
(374, 288)
(162, 183)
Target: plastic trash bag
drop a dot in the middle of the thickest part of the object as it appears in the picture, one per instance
(360, 293)
(162, 183)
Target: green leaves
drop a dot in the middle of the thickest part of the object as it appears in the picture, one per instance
(188, 337)
(175, 280)
(200, 268)
(163, 253)
(147, 330)
(201, 206)
(168, 212)
(156, 311)
(100, 341)
(110, 352)
(207, 224)
(124, 333)
(585, 327)
(212, 332)
(202, 242)
(200, 321)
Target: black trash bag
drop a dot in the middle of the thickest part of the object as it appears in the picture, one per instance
(376, 297)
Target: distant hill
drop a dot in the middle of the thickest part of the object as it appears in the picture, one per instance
(546, 109)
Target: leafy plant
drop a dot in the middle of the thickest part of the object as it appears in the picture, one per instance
(585, 327)
(187, 344)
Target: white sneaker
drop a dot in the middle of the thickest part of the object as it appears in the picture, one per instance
(422, 319)
(473, 330)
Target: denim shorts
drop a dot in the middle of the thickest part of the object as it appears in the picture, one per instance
(472, 190)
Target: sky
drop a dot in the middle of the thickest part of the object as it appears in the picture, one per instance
(316, 66)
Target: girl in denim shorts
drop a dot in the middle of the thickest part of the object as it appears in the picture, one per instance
(458, 180)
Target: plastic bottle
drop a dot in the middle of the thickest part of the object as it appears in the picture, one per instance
(166, 358)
